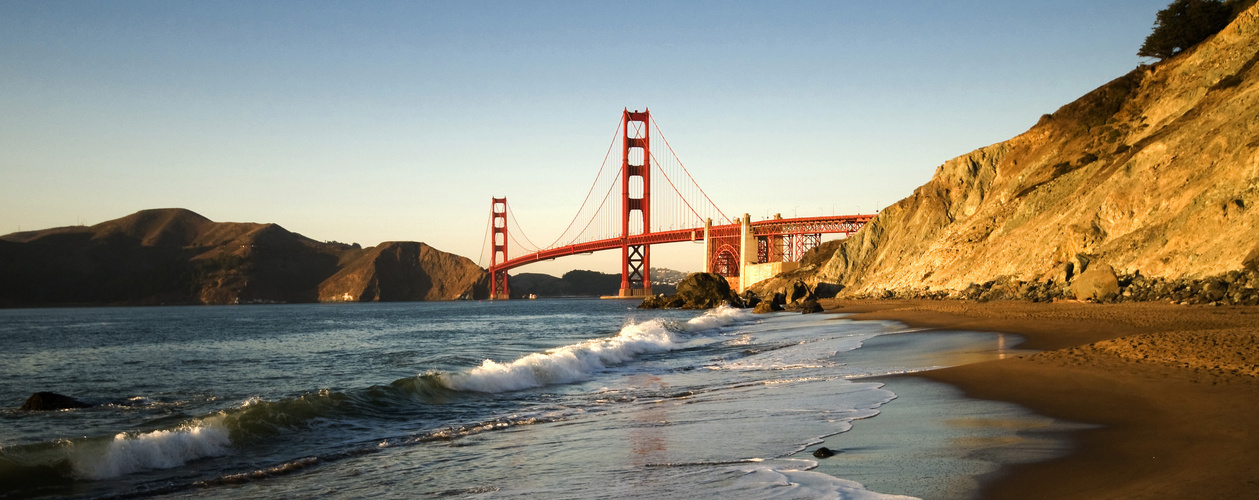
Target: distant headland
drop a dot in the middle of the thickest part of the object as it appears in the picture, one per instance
(176, 256)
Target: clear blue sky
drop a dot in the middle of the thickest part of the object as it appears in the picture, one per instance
(374, 121)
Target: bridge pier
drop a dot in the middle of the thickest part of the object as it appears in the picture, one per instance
(498, 249)
(635, 201)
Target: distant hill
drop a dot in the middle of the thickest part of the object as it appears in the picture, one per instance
(580, 283)
(176, 256)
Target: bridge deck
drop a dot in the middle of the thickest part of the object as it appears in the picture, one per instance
(771, 227)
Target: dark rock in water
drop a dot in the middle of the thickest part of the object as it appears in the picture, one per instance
(662, 301)
(45, 401)
(823, 452)
(653, 302)
(810, 306)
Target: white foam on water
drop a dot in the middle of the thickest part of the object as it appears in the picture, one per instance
(162, 449)
(717, 318)
(794, 479)
(579, 362)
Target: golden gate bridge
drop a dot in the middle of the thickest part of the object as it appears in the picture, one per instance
(652, 199)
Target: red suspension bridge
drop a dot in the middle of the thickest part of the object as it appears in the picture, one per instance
(623, 211)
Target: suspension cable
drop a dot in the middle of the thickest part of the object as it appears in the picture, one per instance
(600, 209)
(489, 224)
(592, 185)
(675, 190)
(688, 172)
(520, 229)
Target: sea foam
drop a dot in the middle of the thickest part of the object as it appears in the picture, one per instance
(579, 362)
(161, 449)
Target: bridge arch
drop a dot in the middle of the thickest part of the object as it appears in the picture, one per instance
(725, 261)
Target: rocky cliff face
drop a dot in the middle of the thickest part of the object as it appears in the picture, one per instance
(1154, 174)
(175, 256)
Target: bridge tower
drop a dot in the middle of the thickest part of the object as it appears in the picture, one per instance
(635, 203)
(498, 246)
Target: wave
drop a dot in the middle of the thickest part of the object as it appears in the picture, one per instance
(52, 465)
(580, 362)
(161, 449)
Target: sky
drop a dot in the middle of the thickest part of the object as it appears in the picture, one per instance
(372, 121)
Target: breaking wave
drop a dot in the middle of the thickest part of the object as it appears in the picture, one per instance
(581, 361)
(161, 449)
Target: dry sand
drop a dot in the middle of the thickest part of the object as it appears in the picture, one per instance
(1173, 391)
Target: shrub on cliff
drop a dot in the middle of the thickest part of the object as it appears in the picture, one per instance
(1185, 23)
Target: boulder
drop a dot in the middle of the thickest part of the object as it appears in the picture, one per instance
(1214, 290)
(662, 301)
(48, 401)
(810, 306)
(653, 302)
(698, 291)
(766, 306)
(707, 290)
(797, 293)
(1098, 283)
(750, 298)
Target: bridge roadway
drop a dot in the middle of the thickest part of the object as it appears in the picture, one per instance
(770, 227)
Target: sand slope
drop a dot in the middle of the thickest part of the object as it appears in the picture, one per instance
(1173, 389)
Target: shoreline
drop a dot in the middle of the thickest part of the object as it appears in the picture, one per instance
(1168, 391)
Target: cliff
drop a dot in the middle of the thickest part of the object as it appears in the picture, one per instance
(175, 256)
(1155, 174)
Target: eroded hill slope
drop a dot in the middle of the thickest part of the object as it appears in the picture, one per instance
(1154, 174)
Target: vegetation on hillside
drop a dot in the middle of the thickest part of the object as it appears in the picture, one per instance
(1185, 23)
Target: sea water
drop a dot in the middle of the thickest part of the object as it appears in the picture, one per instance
(505, 399)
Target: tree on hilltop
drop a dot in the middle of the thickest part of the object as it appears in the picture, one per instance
(1184, 24)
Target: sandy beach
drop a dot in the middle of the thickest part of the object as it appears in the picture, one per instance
(1171, 392)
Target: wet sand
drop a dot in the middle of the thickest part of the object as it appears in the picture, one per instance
(1172, 392)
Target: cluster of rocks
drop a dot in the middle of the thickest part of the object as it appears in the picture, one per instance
(1101, 284)
(1232, 288)
(708, 290)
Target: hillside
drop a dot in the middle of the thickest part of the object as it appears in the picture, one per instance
(175, 256)
(580, 283)
(404, 270)
(1151, 181)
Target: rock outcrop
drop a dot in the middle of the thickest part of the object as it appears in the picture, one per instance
(175, 256)
(1155, 174)
(697, 291)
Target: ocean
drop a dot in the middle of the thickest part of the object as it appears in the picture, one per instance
(495, 399)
